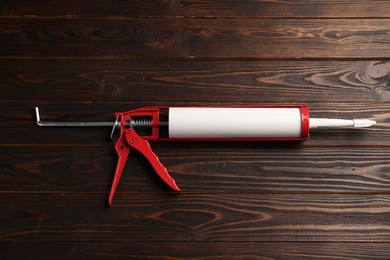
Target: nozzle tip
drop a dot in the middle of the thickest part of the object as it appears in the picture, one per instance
(363, 123)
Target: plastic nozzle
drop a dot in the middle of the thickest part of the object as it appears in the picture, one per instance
(336, 123)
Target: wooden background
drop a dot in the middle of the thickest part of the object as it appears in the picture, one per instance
(83, 60)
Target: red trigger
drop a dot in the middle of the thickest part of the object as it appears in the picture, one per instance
(123, 151)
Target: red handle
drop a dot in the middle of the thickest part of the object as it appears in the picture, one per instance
(130, 139)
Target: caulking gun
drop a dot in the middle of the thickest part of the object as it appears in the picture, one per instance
(215, 123)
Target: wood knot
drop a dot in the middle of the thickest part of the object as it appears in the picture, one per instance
(109, 88)
(85, 166)
(161, 44)
(188, 217)
(378, 70)
(177, 3)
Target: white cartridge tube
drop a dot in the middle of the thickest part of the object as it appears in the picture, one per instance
(235, 122)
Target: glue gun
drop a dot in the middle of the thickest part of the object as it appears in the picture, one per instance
(135, 128)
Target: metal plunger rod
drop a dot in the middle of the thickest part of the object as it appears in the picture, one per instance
(71, 124)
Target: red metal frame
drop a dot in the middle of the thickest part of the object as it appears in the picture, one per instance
(153, 112)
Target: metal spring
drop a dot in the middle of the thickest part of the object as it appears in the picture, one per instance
(142, 122)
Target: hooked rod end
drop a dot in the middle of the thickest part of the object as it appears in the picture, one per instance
(37, 117)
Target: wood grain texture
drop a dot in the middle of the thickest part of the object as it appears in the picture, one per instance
(198, 169)
(207, 81)
(83, 60)
(196, 217)
(197, 8)
(195, 38)
(193, 250)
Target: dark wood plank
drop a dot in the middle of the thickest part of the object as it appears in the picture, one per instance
(190, 217)
(193, 250)
(231, 81)
(197, 8)
(195, 38)
(200, 168)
